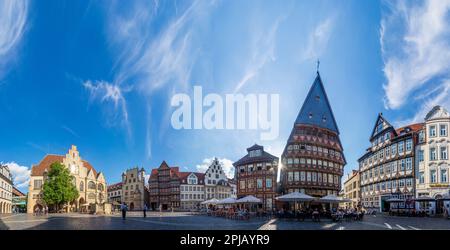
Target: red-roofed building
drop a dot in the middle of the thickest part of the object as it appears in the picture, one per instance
(91, 185)
(192, 190)
(387, 169)
(164, 188)
(115, 194)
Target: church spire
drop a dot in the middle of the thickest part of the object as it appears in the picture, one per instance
(316, 109)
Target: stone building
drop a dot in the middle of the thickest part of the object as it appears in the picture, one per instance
(313, 160)
(256, 174)
(164, 188)
(6, 188)
(432, 161)
(352, 190)
(90, 184)
(134, 194)
(192, 190)
(216, 182)
(387, 167)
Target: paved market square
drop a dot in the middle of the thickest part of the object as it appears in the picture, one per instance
(190, 221)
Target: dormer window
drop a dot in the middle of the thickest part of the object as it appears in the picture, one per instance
(310, 115)
(324, 119)
(317, 98)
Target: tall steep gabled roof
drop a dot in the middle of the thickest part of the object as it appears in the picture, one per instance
(316, 109)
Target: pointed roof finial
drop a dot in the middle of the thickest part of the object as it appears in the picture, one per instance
(318, 65)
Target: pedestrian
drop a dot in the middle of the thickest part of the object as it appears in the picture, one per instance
(145, 210)
(123, 208)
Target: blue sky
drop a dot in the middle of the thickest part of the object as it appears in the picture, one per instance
(100, 74)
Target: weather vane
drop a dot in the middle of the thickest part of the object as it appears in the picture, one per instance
(318, 65)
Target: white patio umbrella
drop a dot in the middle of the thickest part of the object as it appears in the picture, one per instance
(333, 199)
(295, 196)
(250, 199)
(227, 201)
(212, 202)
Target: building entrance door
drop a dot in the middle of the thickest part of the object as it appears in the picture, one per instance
(439, 204)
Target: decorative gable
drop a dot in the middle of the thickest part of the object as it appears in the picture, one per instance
(438, 112)
(100, 177)
(381, 125)
(91, 175)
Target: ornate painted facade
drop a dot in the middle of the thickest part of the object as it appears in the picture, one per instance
(313, 160)
(164, 188)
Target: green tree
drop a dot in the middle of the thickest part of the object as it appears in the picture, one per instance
(59, 188)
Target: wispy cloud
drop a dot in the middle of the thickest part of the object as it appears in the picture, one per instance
(263, 52)
(13, 19)
(318, 39)
(414, 38)
(147, 58)
(20, 174)
(227, 166)
(70, 131)
(44, 149)
(108, 93)
(155, 60)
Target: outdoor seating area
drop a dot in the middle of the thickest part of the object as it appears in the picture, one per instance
(304, 207)
(230, 208)
(423, 206)
(297, 206)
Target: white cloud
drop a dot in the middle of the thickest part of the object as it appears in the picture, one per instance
(227, 166)
(318, 39)
(21, 174)
(415, 42)
(263, 52)
(150, 59)
(106, 92)
(13, 18)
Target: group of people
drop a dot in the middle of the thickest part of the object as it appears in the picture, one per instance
(240, 213)
(316, 214)
(124, 209)
(347, 214)
(39, 211)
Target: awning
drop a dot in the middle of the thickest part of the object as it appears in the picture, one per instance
(424, 198)
(295, 196)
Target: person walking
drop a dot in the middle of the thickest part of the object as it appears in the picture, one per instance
(145, 210)
(123, 207)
